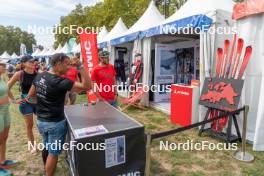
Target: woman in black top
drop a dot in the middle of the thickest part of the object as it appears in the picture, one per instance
(25, 79)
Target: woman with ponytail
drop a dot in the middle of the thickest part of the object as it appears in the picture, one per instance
(25, 79)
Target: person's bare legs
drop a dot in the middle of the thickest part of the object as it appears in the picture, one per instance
(3, 139)
(29, 126)
(51, 165)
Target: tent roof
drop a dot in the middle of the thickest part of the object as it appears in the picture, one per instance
(58, 49)
(194, 13)
(77, 48)
(64, 49)
(36, 52)
(205, 7)
(5, 55)
(118, 29)
(150, 18)
(74, 46)
(49, 52)
(14, 56)
(102, 34)
(43, 52)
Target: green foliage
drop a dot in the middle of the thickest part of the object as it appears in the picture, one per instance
(11, 38)
(173, 5)
(103, 13)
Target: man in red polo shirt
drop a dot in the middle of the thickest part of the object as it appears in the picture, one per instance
(104, 76)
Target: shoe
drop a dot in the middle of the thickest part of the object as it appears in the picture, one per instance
(8, 164)
(4, 172)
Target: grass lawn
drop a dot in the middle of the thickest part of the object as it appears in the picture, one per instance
(164, 163)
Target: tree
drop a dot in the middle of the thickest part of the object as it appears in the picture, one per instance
(11, 37)
(103, 13)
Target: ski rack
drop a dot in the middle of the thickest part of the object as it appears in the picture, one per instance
(228, 137)
(151, 137)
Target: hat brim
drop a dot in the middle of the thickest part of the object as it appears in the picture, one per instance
(30, 60)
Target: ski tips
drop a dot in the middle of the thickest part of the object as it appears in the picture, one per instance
(227, 42)
(240, 40)
(220, 51)
(226, 46)
(245, 61)
(240, 44)
(249, 49)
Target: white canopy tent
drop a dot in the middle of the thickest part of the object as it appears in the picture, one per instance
(149, 19)
(42, 53)
(5, 55)
(194, 13)
(210, 8)
(201, 11)
(102, 34)
(121, 37)
(64, 49)
(74, 45)
(36, 52)
(14, 56)
(50, 52)
(58, 49)
(76, 49)
(251, 29)
(118, 29)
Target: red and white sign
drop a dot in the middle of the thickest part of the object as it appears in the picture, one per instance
(88, 42)
(184, 104)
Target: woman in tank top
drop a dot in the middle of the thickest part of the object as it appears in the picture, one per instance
(4, 124)
(25, 78)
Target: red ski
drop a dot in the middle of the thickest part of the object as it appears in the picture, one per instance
(225, 56)
(231, 57)
(217, 126)
(240, 45)
(219, 61)
(244, 64)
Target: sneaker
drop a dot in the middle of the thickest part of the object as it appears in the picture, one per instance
(8, 164)
(4, 172)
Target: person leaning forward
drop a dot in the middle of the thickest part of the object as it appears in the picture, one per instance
(49, 89)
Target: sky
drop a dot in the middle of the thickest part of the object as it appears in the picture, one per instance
(43, 14)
